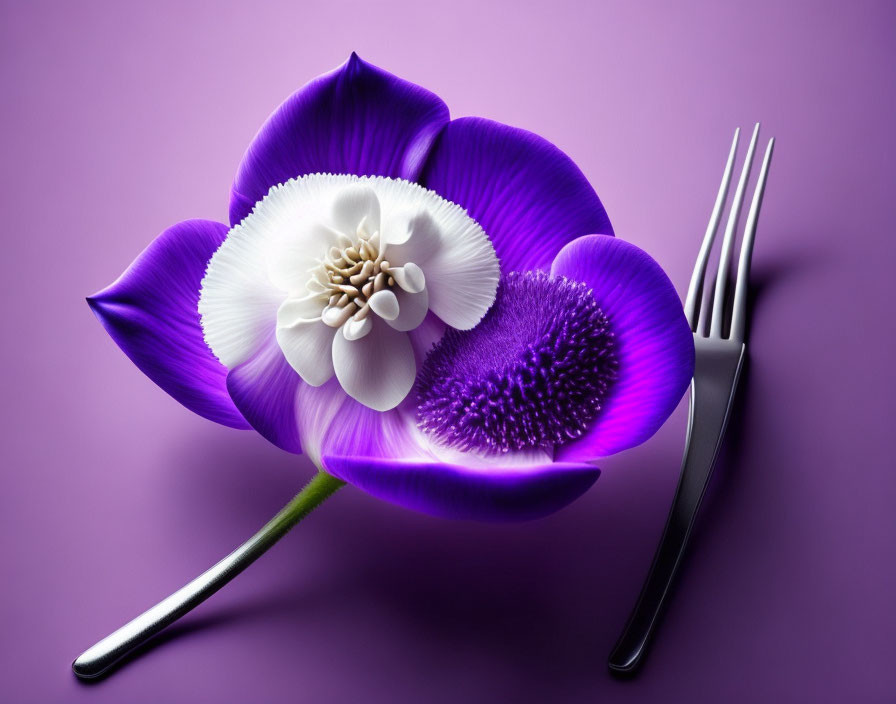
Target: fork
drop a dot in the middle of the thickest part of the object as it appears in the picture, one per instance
(719, 360)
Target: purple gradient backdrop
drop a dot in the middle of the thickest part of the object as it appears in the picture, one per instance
(118, 122)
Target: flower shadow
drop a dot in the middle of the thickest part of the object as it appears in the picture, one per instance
(537, 603)
(536, 598)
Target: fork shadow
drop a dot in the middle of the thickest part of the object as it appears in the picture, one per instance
(724, 481)
(764, 278)
(726, 477)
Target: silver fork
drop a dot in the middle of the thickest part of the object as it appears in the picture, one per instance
(719, 360)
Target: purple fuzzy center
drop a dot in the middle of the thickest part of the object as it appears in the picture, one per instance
(532, 375)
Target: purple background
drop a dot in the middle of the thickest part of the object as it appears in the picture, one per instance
(119, 122)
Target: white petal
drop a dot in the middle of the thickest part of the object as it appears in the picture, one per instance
(412, 309)
(379, 369)
(237, 302)
(293, 258)
(416, 231)
(384, 304)
(336, 317)
(300, 308)
(354, 205)
(461, 289)
(356, 329)
(306, 343)
(410, 277)
(459, 262)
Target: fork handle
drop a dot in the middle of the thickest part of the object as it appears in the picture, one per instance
(712, 392)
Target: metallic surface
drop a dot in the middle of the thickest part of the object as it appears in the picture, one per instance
(98, 659)
(719, 360)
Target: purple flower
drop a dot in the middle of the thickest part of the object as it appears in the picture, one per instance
(434, 310)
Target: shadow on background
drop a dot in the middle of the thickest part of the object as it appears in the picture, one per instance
(545, 600)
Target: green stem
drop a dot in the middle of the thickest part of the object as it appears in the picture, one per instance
(314, 493)
(97, 660)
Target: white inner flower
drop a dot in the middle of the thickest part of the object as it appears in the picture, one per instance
(342, 268)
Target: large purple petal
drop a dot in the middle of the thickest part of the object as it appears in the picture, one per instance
(151, 313)
(357, 119)
(500, 493)
(655, 346)
(530, 197)
(265, 390)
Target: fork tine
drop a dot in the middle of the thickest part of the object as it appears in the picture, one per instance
(695, 289)
(739, 316)
(718, 302)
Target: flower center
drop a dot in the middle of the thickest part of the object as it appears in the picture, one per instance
(358, 278)
(532, 375)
